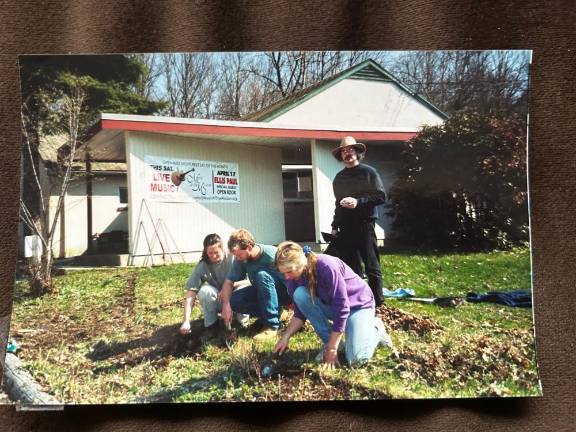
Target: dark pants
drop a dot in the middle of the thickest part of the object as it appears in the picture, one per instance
(358, 244)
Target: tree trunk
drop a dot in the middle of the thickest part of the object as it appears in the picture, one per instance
(41, 281)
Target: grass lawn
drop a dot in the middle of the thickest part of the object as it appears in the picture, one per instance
(111, 336)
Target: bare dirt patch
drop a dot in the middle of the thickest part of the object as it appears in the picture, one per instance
(56, 327)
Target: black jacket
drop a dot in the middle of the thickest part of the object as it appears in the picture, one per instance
(363, 183)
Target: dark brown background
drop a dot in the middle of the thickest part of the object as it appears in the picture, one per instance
(547, 27)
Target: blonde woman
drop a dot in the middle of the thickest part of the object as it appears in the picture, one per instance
(336, 301)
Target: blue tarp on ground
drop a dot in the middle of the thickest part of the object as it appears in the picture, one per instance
(399, 292)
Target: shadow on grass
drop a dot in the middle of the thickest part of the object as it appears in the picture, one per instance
(292, 377)
(165, 341)
(21, 291)
(248, 372)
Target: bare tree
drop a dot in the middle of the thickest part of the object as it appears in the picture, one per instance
(148, 79)
(281, 69)
(37, 216)
(233, 78)
(487, 81)
(291, 71)
(240, 91)
(231, 85)
(288, 72)
(189, 83)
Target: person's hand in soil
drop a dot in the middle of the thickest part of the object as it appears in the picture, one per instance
(185, 328)
(226, 313)
(294, 326)
(189, 302)
(282, 344)
(330, 359)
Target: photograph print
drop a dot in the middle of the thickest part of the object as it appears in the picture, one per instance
(273, 226)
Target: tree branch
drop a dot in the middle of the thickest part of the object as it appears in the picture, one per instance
(32, 162)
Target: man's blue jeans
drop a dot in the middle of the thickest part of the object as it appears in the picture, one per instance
(262, 298)
(361, 334)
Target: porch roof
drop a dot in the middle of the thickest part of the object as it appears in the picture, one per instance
(106, 142)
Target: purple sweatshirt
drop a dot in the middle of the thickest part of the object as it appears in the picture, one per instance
(337, 286)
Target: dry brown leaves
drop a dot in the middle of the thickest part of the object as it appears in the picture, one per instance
(487, 360)
(397, 319)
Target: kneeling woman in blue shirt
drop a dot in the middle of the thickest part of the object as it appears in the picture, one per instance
(336, 301)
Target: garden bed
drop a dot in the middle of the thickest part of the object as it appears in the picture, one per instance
(111, 336)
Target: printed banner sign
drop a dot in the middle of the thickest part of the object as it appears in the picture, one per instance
(205, 181)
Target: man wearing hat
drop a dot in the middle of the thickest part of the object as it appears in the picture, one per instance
(358, 190)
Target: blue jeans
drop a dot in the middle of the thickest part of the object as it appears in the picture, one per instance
(361, 334)
(262, 298)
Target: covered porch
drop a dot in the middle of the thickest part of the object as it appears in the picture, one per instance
(284, 181)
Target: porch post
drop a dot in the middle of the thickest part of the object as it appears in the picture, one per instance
(315, 191)
(324, 169)
(89, 203)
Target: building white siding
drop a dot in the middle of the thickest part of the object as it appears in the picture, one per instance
(324, 169)
(185, 224)
(105, 215)
(357, 103)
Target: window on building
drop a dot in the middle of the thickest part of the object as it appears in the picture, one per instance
(123, 194)
(297, 184)
(304, 185)
(290, 180)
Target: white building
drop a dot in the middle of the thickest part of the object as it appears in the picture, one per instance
(270, 173)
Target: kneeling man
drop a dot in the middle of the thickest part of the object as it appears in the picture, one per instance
(266, 293)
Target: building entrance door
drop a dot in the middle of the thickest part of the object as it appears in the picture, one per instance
(298, 203)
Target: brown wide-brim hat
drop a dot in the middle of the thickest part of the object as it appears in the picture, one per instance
(348, 141)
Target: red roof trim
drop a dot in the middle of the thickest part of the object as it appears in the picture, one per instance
(251, 131)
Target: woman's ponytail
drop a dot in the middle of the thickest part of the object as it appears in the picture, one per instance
(310, 270)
